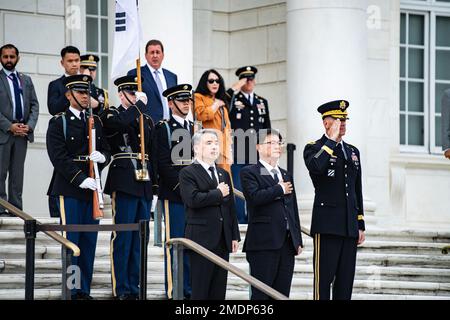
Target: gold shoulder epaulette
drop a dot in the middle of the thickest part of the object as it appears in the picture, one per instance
(312, 142)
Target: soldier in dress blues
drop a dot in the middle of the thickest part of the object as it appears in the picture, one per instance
(174, 152)
(100, 100)
(249, 112)
(338, 215)
(131, 195)
(68, 147)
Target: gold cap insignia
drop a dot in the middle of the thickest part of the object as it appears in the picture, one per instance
(91, 58)
(342, 105)
(136, 79)
(85, 78)
(185, 87)
(248, 68)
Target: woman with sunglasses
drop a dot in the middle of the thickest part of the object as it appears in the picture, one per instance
(211, 109)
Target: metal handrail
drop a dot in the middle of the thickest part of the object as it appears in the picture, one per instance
(228, 266)
(240, 195)
(55, 236)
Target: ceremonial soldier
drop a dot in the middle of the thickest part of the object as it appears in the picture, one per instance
(174, 152)
(249, 112)
(99, 101)
(338, 215)
(68, 149)
(129, 182)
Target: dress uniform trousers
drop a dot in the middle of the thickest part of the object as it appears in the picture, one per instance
(177, 223)
(125, 245)
(75, 211)
(334, 264)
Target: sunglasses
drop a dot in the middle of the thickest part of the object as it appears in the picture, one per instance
(211, 81)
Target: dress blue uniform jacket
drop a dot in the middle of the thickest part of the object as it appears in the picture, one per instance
(63, 149)
(56, 100)
(208, 213)
(269, 210)
(122, 129)
(338, 203)
(169, 170)
(154, 105)
(246, 116)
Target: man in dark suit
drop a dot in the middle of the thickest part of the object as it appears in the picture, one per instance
(58, 103)
(68, 150)
(273, 235)
(338, 215)
(172, 135)
(156, 80)
(249, 113)
(19, 111)
(56, 99)
(210, 216)
(446, 123)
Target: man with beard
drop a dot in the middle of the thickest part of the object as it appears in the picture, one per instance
(19, 111)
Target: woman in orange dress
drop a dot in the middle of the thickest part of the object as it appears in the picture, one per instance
(211, 109)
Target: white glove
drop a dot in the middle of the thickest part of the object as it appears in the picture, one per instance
(141, 96)
(89, 183)
(97, 157)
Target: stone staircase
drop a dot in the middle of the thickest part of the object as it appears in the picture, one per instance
(392, 264)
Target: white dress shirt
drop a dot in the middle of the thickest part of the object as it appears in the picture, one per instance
(77, 113)
(11, 88)
(207, 166)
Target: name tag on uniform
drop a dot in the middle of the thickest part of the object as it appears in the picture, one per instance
(238, 116)
(261, 108)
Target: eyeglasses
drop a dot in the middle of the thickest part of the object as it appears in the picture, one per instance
(211, 81)
(274, 143)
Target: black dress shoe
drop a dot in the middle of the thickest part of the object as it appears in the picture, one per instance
(133, 297)
(84, 296)
(122, 297)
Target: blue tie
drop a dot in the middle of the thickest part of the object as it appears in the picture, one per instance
(17, 93)
(166, 114)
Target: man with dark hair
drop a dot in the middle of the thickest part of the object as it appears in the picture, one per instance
(337, 223)
(19, 111)
(156, 80)
(68, 150)
(57, 102)
(56, 99)
(273, 235)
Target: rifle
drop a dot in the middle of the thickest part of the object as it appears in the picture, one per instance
(141, 174)
(97, 201)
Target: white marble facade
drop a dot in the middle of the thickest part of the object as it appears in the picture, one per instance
(307, 52)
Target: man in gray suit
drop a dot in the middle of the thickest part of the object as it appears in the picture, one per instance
(19, 110)
(446, 123)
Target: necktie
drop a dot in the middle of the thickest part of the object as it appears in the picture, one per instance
(83, 120)
(163, 100)
(17, 93)
(275, 175)
(186, 125)
(340, 153)
(213, 176)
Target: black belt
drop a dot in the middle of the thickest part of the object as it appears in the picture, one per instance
(128, 155)
(81, 159)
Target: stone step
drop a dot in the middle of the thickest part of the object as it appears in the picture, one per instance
(103, 281)
(373, 233)
(375, 246)
(17, 266)
(156, 254)
(104, 294)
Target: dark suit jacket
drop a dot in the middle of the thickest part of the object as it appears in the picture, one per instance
(30, 106)
(338, 203)
(269, 210)
(154, 105)
(56, 100)
(207, 211)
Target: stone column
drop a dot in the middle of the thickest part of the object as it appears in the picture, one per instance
(326, 60)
